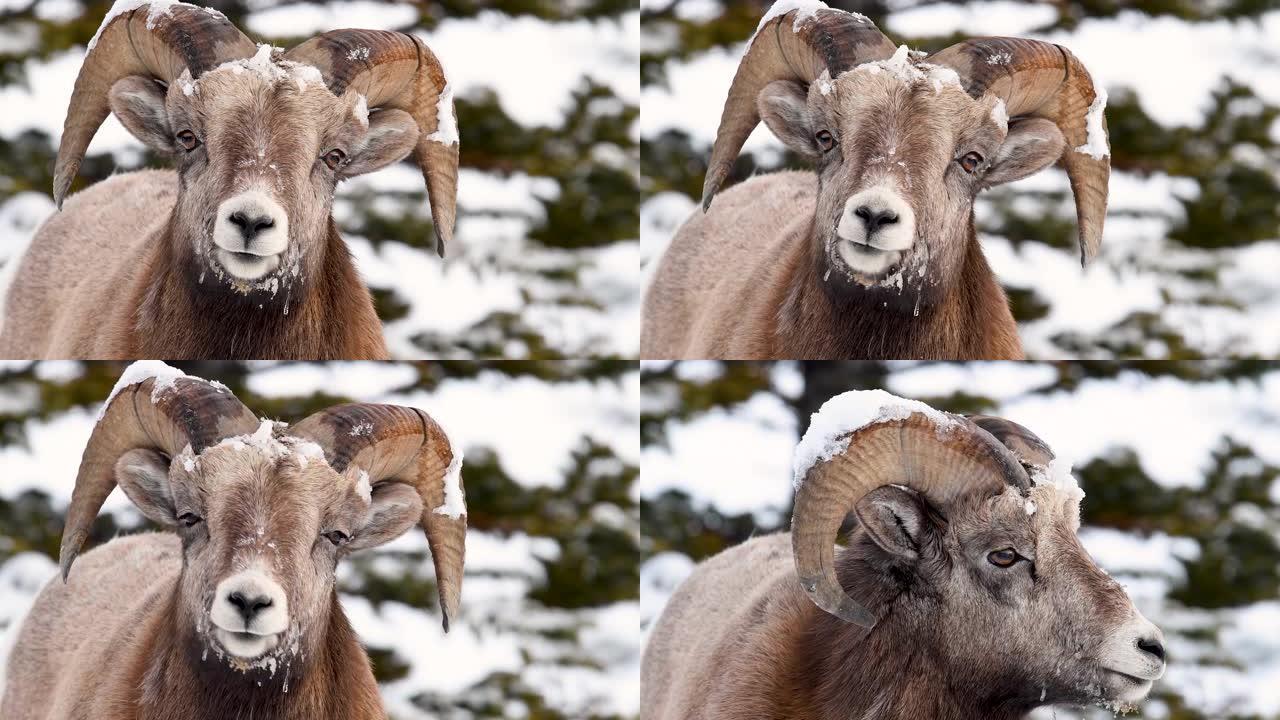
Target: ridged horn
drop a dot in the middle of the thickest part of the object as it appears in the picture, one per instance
(188, 411)
(1024, 444)
(941, 459)
(796, 45)
(395, 70)
(1039, 79)
(402, 444)
(153, 40)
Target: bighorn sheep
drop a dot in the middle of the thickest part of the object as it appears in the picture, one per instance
(235, 613)
(963, 594)
(236, 254)
(875, 255)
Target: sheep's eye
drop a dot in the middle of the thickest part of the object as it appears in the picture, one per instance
(335, 158)
(188, 140)
(825, 140)
(189, 519)
(1003, 558)
(970, 162)
(337, 537)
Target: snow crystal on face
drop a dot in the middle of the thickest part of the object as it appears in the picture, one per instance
(305, 75)
(455, 502)
(830, 428)
(1030, 507)
(363, 488)
(140, 372)
(361, 111)
(824, 85)
(1096, 145)
(188, 87)
(901, 67)
(999, 114)
(446, 125)
(158, 9)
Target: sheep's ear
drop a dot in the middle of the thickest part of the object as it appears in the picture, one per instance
(1032, 145)
(394, 508)
(894, 518)
(784, 107)
(391, 137)
(144, 476)
(139, 103)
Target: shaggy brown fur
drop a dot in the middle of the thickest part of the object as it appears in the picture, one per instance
(955, 638)
(775, 305)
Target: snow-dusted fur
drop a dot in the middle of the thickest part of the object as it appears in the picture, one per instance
(112, 644)
(129, 268)
(956, 637)
(769, 271)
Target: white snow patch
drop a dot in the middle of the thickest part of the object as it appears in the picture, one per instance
(360, 53)
(364, 489)
(455, 503)
(805, 10)
(902, 68)
(1096, 145)
(361, 429)
(446, 132)
(830, 428)
(158, 9)
(999, 115)
(140, 372)
(361, 111)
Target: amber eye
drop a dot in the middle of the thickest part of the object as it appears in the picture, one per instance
(334, 158)
(825, 140)
(970, 162)
(188, 140)
(337, 537)
(1003, 558)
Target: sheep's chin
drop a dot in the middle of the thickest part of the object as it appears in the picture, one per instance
(245, 266)
(1125, 691)
(246, 646)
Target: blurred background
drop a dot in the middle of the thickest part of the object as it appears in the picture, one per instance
(1192, 239)
(1179, 463)
(547, 93)
(549, 612)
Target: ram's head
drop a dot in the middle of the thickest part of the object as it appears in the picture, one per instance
(902, 143)
(261, 137)
(265, 511)
(967, 549)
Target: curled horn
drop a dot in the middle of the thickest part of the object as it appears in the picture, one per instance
(942, 459)
(401, 444)
(190, 411)
(395, 70)
(1025, 445)
(154, 41)
(792, 46)
(1039, 79)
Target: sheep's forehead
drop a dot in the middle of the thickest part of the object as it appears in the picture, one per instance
(885, 96)
(236, 463)
(1045, 506)
(231, 91)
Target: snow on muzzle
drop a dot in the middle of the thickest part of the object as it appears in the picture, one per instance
(876, 228)
(249, 613)
(250, 233)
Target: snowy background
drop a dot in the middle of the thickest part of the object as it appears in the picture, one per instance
(549, 611)
(1192, 239)
(545, 257)
(1179, 463)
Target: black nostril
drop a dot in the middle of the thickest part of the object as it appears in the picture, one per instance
(249, 607)
(250, 226)
(1152, 646)
(873, 219)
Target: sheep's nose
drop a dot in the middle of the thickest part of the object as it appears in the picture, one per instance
(248, 605)
(250, 225)
(873, 219)
(1152, 646)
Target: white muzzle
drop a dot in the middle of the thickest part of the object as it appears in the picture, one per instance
(250, 232)
(875, 230)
